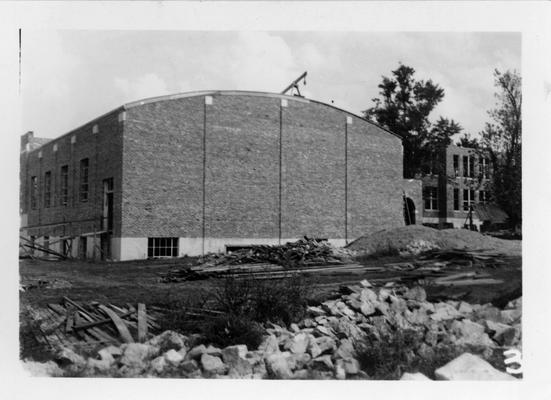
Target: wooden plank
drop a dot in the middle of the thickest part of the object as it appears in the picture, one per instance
(57, 308)
(471, 282)
(121, 327)
(99, 322)
(69, 323)
(142, 323)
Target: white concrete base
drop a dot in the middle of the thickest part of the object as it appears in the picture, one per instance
(457, 222)
(126, 248)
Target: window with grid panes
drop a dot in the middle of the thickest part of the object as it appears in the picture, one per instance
(162, 247)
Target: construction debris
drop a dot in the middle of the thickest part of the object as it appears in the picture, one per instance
(76, 325)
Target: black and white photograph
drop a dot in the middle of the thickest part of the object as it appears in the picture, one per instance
(278, 203)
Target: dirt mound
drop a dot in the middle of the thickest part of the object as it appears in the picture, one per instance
(392, 241)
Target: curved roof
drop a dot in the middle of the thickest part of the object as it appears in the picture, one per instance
(244, 93)
(176, 96)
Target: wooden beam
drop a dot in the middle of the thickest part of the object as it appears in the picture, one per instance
(120, 325)
(142, 323)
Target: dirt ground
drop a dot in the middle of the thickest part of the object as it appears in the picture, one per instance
(138, 281)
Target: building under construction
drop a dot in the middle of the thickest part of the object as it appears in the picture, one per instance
(196, 172)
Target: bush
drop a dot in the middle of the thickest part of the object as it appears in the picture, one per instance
(230, 330)
(393, 354)
(280, 301)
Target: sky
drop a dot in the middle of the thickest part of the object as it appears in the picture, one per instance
(70, 77)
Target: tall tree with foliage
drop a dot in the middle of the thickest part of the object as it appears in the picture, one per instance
(502, 140)
(403, 107)
(468, 141)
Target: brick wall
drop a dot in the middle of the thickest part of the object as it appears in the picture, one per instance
(103, 149)
(163, 169)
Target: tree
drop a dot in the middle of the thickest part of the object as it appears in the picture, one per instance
(468, 141)
(502, 140)
(403, 107)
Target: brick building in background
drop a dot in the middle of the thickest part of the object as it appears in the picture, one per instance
(459, 178)
(192, 173)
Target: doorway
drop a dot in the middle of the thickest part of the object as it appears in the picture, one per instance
(409, 211)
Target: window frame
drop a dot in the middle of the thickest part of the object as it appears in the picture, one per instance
(84, 180)
(162, 247)
(456, 164)
(456, 199)
(47, 189)
(430, 198)
(34, 192)
(64, 185)
(468, 199)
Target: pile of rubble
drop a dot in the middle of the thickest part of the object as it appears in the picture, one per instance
(322, 346)
(303, 252)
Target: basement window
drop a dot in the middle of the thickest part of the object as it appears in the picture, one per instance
(83, 185)
(430, 197)
(162, 247)
(34, 192)
(47, 189)
(64, 185)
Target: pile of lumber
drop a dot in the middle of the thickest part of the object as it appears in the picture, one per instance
(301, 253)
(72, 323)
(260, 271)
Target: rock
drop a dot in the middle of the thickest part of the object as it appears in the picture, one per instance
(67, 357)
(367, 308)
(38, 369)
(301, 374)
(158, 364)
(417, 376)
(323, 363)
(366, 284)
(426, 352)
(470, 333)
(495, 328)
(135, 354)
(270, 344)
(416, 293)
(188, 366)
(417, 317)
(278, 366)
(339, 371)
(345, 350)
(465, 308)
(313, 348)
(330, 307)
(470, 367)
(383, 294)
(168, 340)
(315, 311)
(232, 353)
(489, 312)
(297, 344)
(509, 336)
(368, 295)
(111, 350)
(322, 330)
(444, 312)
(240, 368)
(308, 323)
(102, 366)
(259, 370)
(212, 364)
(514, 304)
(213, 351)
(326, 344)
(173, 357)
(347, 329)
(511, 316)
(196, 352)
(294, 328)
(351, 366)
(235, 357)
(300, 360)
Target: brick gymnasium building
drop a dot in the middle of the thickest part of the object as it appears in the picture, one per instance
(192, 173)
